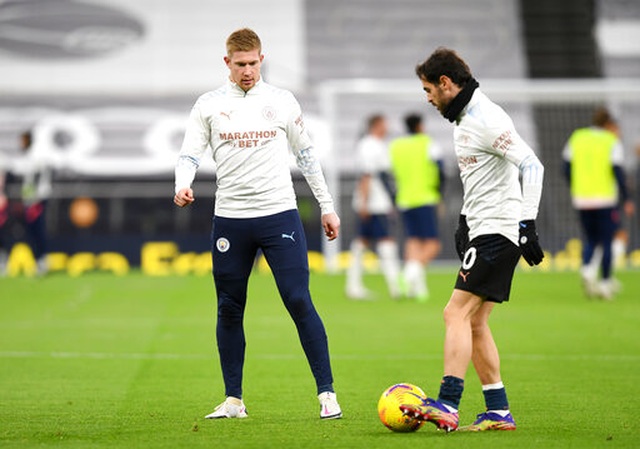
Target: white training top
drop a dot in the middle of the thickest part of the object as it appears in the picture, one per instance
(36, 168)
(435, 152)
(492, 156)
(250, 135)
(372, 156)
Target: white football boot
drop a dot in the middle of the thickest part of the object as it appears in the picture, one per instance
(230, 408)
(358, 293)
(329, 407)
(607, 288)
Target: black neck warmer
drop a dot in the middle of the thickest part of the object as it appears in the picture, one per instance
(456, 106)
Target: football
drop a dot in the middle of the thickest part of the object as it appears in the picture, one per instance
(389, 407)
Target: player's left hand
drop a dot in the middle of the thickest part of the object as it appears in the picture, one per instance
(529, 245)
(331, 225)
(462, 236)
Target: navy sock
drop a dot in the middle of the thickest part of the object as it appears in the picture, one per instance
(496, 399)
(451, 391)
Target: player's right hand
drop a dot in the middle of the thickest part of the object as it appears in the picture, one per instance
(184, 197)
(462, 237)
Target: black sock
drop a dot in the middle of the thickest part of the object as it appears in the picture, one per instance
(496, 399)
(451, 391)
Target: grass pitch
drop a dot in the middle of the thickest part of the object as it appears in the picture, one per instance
(101, 361)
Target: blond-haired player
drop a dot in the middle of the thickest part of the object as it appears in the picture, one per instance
(250, 126)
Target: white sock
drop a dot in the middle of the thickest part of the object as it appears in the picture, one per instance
(495, 386)
(590, 270)
(421, 282)
(390, 265)
(354, 272)
(414, 275)
(618, 251)
(502, 413)
(411, 272)
(451, 409)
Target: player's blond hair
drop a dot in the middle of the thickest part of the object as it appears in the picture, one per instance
(244, 39)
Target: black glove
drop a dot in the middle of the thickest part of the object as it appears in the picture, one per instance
(529, 245)
(462, 236)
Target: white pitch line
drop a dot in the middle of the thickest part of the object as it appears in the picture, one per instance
(99, 355)
(347, 357)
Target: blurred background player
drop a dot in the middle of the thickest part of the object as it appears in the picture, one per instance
(620, 236)
(4, 215)
(593, 160)
(496, 226)
(373, 202)
(36, 168)
(250, 126)
(417, 166)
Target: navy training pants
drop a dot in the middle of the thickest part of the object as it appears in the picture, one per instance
(599, 227)
(281, 238)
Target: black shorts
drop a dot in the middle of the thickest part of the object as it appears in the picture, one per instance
(488, 266)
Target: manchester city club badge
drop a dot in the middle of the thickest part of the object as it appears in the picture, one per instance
(223, 245)
(269, 113)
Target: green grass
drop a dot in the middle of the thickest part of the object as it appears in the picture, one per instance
(101, 361)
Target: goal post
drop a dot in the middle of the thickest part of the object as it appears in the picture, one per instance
(545, 112)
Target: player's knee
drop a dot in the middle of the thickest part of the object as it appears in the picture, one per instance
(478, 326)
(298, 304)
(454, 314)
(229, 310)
(296, 298)
(451, 314)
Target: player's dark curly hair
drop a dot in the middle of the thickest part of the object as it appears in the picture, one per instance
(444, 61)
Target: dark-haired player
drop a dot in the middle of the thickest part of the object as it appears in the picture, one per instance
(496, 226)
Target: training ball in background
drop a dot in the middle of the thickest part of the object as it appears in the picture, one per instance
(389, 407)
(83, 212)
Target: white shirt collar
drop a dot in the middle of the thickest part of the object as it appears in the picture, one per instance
(239, 90)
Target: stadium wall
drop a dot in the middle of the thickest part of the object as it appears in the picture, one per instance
(110, 97)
